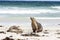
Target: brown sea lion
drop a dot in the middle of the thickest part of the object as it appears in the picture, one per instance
(36, 27)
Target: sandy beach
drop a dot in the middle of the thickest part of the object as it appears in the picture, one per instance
(46, 34)
(50, 32)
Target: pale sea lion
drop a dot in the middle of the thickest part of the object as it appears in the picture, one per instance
(15, 29)
(36, 27)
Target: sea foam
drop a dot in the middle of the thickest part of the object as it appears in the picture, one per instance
(20, 10)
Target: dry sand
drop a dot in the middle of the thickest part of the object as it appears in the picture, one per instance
(49, 33)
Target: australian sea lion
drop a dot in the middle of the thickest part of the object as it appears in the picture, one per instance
(36, 27)
(15, 29)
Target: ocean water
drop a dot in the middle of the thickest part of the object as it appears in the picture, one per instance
(30, 8)
(18, 12)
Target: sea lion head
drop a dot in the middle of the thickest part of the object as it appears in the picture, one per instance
(32, 18)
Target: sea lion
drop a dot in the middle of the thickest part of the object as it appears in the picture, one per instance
(36, 27)
(15, 29)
